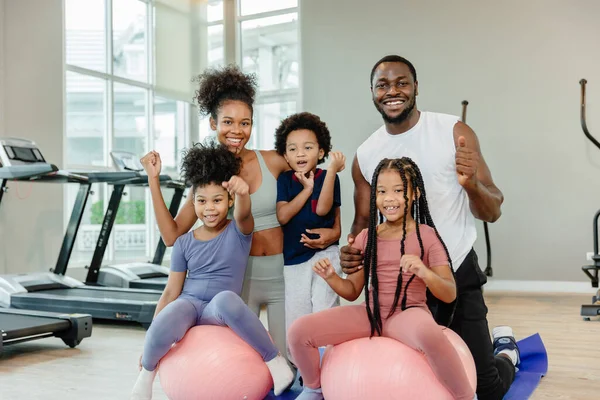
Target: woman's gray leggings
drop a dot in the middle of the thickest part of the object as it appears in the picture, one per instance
(263, 285)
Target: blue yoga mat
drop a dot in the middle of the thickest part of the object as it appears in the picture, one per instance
(534, 365)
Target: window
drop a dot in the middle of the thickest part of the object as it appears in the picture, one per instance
(119, 97)
(129, 86)
(249, 7)
(85, 34)
(129, 44)
(214, 40)
(269, 49)
(85, 121)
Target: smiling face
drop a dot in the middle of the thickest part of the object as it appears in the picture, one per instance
(302, 150)
(233, 125)
(394, 91)
(211, 203)
(390, 196)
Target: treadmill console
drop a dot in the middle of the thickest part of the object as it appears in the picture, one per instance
(126, 161)
(14, 152)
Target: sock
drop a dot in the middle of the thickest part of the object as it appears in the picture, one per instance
(310, 394)
(142, 390)
(282, 374)
(506, 331)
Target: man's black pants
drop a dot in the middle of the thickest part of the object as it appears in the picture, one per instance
(495, 374)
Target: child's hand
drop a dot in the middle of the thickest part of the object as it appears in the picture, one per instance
(140, 363)
(413, 264)
(324, 269)
(307, 183)
(236, 185)
(152, 164)
(337, 161)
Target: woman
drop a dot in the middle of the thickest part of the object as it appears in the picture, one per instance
(227, 95)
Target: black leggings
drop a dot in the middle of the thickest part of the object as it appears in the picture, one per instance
(495, 374)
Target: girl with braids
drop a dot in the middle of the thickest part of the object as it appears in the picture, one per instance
(207, 270)
(404, 256)
(227, 96)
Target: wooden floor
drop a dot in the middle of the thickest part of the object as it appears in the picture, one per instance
(104, 367)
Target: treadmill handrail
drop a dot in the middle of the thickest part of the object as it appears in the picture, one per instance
(111, 214)
(108, 176)
(142, 180)
(584, 127)
(26, 172)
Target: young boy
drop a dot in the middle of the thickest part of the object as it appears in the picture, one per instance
(307, 198)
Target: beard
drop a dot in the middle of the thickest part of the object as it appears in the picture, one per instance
(408, 108)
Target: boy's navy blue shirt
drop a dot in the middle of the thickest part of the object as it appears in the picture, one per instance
(288, 187)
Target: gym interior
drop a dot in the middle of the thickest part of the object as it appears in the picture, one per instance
(88, 87)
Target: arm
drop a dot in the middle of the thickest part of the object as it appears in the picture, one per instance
(331, 184)
(326, 197)
(351, 258)
(327, 236)
(286, 210)
(362, 196)
(349, 288)
(172, 290)
(441, 283)
(242, 213)
(176, 279)
(485, 199)
(275, 162)
(438, 278)
(336, 230)
(171, 228)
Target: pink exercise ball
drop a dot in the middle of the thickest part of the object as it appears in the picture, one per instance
(383, 368)
(214, 363)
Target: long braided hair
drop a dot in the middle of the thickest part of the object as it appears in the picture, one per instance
(411, 175)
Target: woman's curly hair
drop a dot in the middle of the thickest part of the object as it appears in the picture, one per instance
(303, 120)
(209, 162)
(219, 85)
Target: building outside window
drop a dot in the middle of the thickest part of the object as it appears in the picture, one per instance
(128, 87)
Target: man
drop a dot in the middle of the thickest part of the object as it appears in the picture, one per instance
(459, 187)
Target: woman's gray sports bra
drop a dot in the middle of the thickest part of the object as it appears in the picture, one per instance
(264, 200)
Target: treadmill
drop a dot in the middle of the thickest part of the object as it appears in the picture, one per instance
(17, 326)
(139, 275)
(54, 291)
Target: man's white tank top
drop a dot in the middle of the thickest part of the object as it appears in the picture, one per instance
(430, 144)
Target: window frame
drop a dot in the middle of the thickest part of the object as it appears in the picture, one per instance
(231, 22)
(151, 93)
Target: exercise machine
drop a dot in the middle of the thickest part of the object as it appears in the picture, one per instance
(54, 291)
(17, 326)
(140, 275)
(591, 310)
(488, 247)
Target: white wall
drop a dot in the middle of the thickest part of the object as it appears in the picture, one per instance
(31, 215)
(518, 63)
